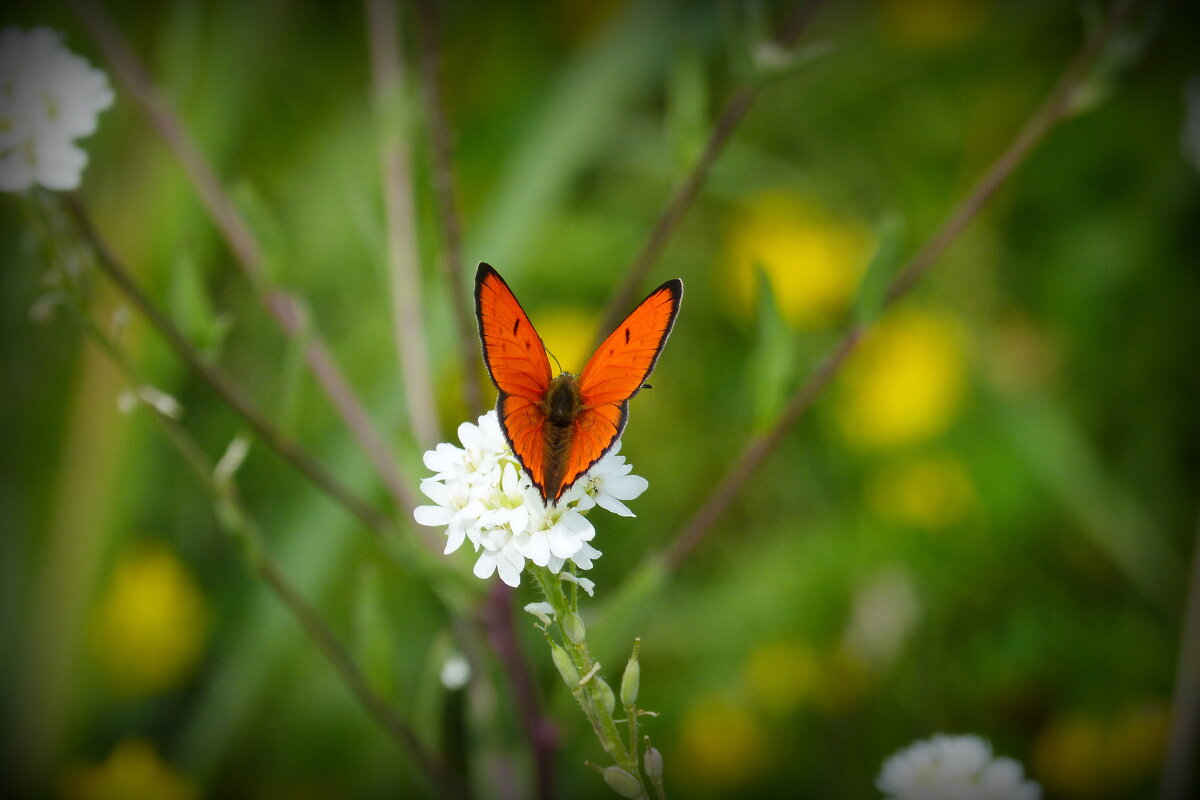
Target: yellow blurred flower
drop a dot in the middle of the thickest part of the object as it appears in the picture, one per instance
(1088, 757)
(907, 381)
(132, 771)
(569, 334)
(932, 492)
(812, 260)
(934, 23)
(782, 675)
(721, 744)
(1137, 740)
(151, 623)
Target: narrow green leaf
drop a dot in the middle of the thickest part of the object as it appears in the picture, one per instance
(687, 107)
(265, 226)
(373, 637)
(773, 362)
(890, 235)
(190, 307)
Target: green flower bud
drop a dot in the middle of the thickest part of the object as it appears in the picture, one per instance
(605, 693)
(572, 626)
(622, 782)
(653, 762)
(565, 667)
(632, 679)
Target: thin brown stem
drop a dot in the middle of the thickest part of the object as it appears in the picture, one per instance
(214, 376)
(445, 783)
(284, 308)
(239, 524)
(539, 729)
(1179, 764)
(757, 450)
(1056, 106)
(408, 323)
(441, 148)
(685, 193)
(497, 612)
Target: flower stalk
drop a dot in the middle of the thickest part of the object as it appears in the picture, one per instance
(581, 673)
(244, 531)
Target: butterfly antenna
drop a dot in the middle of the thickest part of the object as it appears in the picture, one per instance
(556, 361)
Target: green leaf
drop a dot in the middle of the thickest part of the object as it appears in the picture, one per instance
(687, 107)
(774, 359)
(265, 227)
(373, 634)
(190, 307)
(890, 233)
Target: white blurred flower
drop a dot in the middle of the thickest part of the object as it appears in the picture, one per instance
(954, 768)
(48, 98)
(456, 671)
(481, 495)
(885, 609)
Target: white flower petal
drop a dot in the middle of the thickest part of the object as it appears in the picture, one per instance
(583, 559)
(433, 516)
(480, 494)
(518, 519)
(486, 565)
(610, 503)
(535, 547)
(577, 524)
(456, 533)
(509, 566)
(437, 491)
(625, 487)
(583, 583)
(563, 543)
(543, 611)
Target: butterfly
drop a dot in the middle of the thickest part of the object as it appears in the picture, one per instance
(558, 427)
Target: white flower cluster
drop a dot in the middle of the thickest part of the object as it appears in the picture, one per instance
(48, 98)
(482, 495)
(954, 768)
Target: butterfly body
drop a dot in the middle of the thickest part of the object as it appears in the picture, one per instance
(563, 402)
(559, 427)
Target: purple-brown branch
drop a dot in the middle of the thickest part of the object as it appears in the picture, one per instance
(731, 115)
(441, 148)
(287, 448)
(242, 526)
(1179, 762)
(497, 611)
(1056, 106)
(497, 616)
(408, 315)
(284, 308)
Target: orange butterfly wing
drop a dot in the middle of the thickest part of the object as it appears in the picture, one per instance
(615, 373)
(516, 361)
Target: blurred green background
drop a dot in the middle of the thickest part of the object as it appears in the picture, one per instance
(983, 526)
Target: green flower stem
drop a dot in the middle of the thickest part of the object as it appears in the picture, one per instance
(594, 695)
(244, 530)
